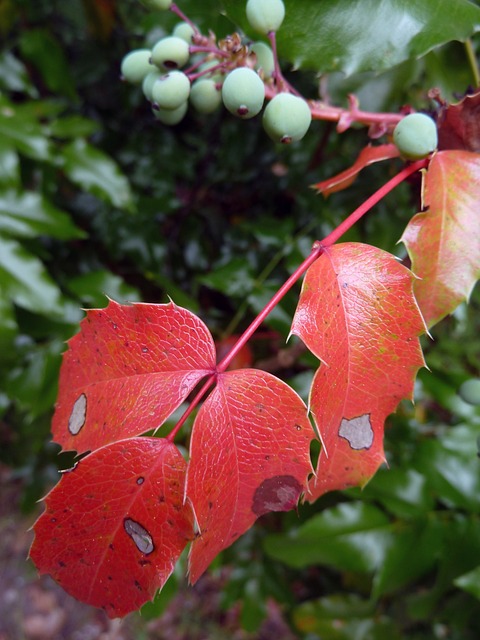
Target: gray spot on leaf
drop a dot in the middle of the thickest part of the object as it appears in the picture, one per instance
(279, 493)
(79, 415)
(358, 431)
(142, 539)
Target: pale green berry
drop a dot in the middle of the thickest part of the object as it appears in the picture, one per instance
(265, 15)
(470, 391)
(148, 82)
(135, 65)
(157, 4)
(170, 53)
(287, 118)
(243, 92)
(184, 31)
(205, 96)
(171, 116)
(265, 60)
(216, 74)
(171, 90)
(415, 136)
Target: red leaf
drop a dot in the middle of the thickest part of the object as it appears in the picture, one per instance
(116, 524)
(459, 125)
(368, 155)
(444, 241)
(249, 455)
(127, 370)
(358, 315)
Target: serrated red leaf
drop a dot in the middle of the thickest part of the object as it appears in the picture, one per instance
(115, 525)
(127, 370)
(358, 315)
(444, 241)
(249, 456)
(368, 155)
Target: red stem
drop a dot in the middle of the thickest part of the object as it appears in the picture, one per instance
(317, 250)
(344, 226)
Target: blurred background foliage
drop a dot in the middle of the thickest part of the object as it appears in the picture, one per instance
(97, 199)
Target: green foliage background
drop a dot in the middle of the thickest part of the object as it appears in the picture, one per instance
(96, 199)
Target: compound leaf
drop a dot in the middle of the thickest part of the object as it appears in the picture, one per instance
(444, 240)
(249, 456)
(115, 525)
(358, 315)
(127, 370)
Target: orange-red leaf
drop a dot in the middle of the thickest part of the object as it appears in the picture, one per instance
(127, 370)
(249, 455)
(368, 155)
(358, 315)
(115, 525)
(444, 241)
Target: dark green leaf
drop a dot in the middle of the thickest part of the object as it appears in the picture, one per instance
(23, 134)
(92, 288)
(24, 280)
(72, 127)
(351, 536)
(43, 50)
(29, 214)
(470, 582)
(94, 171)
(340, 35)
(13, 75)
(9, 166)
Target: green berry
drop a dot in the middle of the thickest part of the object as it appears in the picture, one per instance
(216, 74)
(148, 82)
(205, 95)
(171, 90)
(184, 31)
(171, 116)
(287, 118)
(243, 92)
(265, 15)
(470, 391)
(135, 65)
(415, 136)
(157, 4)
(265, 60)
(170, 53)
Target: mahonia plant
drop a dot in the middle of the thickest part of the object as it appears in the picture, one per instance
(116, 524)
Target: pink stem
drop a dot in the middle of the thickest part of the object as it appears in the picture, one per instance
(182, 16)
(317, 250)
(203, 390)
(344, 226)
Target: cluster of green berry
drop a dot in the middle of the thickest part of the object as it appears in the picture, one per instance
(189, 68)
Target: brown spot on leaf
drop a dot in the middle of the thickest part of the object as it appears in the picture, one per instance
(357, 431)
(280, 493)
(142, 539)
(79, 415)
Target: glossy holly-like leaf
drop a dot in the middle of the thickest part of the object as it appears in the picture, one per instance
(249, 456)
(443, 241)
(358, 315)
(341, 35)
(368, 155)
(127, 370)
(115, 525)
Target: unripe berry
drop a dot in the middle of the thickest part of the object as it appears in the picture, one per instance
(170, 53)
(265, 15)
(265, 60)
(184, 31)
(205, 96)
(171, 90)
(135, 65)
(157, 4)
(287, 118)
(171, 116)
(148, 82)
(470, 391)
(243, 92)
(415, 136)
